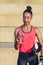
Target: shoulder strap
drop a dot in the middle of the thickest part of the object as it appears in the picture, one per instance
(20, 29)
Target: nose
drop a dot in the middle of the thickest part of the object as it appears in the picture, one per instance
(25, 19)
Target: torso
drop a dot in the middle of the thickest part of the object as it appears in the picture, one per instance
(28, 39)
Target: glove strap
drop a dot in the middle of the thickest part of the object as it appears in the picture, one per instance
(41, 58)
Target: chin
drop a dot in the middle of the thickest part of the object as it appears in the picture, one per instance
(26, 22)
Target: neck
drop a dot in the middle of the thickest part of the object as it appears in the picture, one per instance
(27, 25)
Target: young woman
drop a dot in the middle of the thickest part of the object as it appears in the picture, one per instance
(25, 36)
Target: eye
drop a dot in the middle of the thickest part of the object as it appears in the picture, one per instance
(24, 17)
(27, 17)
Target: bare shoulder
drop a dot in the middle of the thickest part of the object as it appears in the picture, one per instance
(16, 30)
(37, 30)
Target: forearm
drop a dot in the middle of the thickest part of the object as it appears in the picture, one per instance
(42, 51)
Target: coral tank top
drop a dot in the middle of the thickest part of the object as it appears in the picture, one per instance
(27, 40)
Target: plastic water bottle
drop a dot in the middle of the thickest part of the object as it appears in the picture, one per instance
(21, 37)
(21, 40)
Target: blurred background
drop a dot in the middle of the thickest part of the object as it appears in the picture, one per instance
(10, 18)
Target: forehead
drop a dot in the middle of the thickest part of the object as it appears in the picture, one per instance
(27, 14)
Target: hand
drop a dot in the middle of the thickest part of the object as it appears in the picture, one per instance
(41, 58)
(16, 45)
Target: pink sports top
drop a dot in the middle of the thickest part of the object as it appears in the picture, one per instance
(28, 40)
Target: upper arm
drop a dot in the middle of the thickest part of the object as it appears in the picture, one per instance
(39, 37)
(15, 33)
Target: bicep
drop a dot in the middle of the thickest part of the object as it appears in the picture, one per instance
(39, 36)
(16, 34)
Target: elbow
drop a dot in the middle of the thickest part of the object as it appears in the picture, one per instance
(15, 46)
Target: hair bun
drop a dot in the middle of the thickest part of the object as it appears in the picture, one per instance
(29, 8)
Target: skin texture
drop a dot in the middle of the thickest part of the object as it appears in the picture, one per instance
(27, 17)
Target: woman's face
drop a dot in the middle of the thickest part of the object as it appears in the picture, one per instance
(27, 18)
